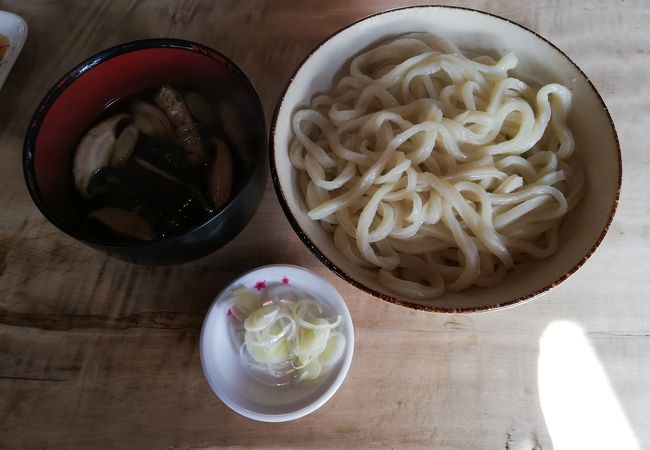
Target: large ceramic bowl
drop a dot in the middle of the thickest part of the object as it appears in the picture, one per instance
(596, 145)
(74, 102)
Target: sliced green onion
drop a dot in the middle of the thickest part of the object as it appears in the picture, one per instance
(277, 353)
(333, 350)
(311, 371)
(244, 302)
(261, 318)
(286, 336)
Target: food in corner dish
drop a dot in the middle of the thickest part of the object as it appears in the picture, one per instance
(437, 170)
(4, 45)
(13, 33)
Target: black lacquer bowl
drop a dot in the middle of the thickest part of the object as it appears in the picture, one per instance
(84, 92)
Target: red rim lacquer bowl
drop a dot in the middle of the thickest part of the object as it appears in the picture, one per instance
(78, 98)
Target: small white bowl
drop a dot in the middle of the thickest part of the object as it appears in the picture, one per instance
(237, 385)
(15, 28)
(475, 31)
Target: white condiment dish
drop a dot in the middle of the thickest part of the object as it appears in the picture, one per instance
(15, 28)
(238, 385)
(481, 33)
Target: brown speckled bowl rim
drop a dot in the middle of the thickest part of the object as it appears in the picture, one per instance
(430, 308)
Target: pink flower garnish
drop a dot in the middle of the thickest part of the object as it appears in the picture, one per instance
(285, 280)
(260, 285)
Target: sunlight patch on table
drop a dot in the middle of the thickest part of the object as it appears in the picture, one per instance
(580, 407)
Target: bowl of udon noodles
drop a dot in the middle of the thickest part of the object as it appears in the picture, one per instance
(445, 159)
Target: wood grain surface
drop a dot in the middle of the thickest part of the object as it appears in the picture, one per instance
(98, 353)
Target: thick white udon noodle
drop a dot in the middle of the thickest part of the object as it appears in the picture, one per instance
(434, 169)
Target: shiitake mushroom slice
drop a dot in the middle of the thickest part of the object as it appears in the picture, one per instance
(220, 180)
(200, 108)
(232, 124)
(124, 223)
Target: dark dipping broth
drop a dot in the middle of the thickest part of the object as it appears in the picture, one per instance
(159, 162)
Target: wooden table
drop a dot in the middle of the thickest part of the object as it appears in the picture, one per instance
(98, 353)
